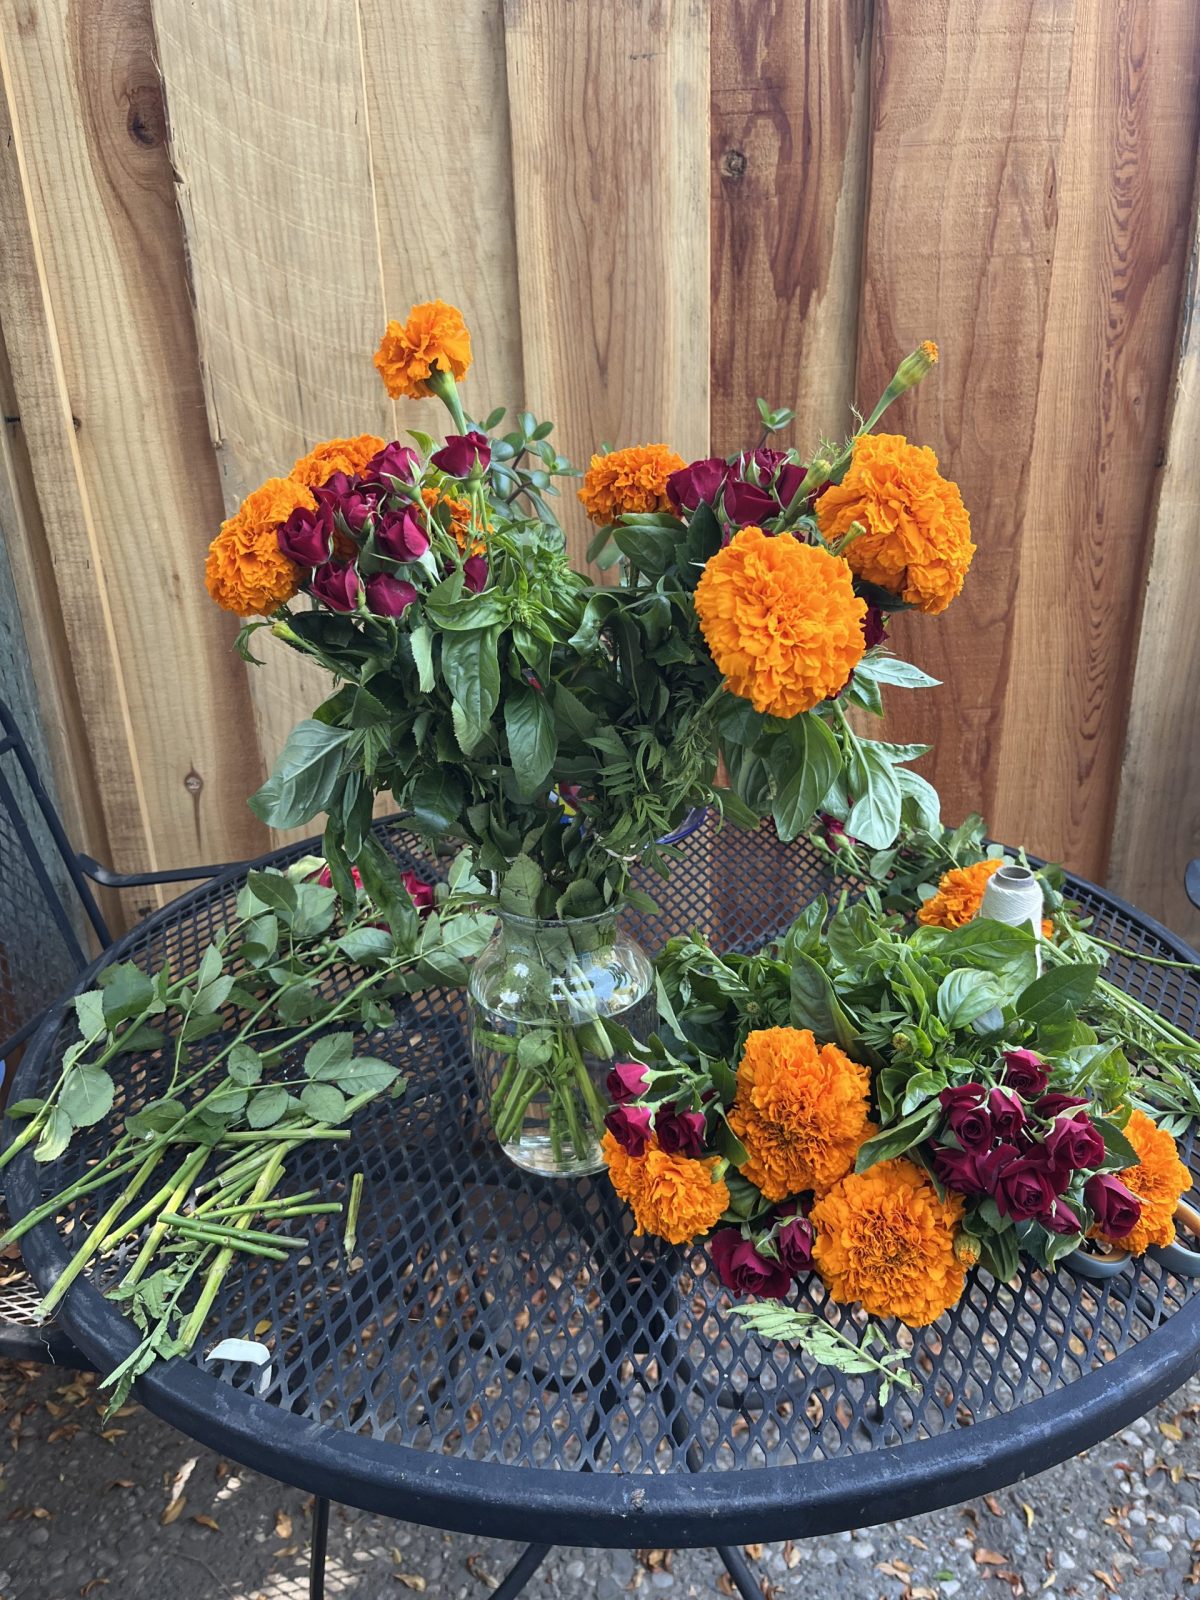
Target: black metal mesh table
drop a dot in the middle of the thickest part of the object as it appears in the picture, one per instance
(505, 1358)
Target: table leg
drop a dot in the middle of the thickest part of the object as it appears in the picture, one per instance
(320, 1540)
(520, 1575)
(740, 1571)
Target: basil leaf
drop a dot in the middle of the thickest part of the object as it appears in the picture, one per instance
(806, 762)
(304, 779)
(532, 741)
(1060, 989)
(471, 669)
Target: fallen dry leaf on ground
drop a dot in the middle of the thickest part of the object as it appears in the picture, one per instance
(283, 1525)
(172, 1512)
(989, 1558)
(207, 1522)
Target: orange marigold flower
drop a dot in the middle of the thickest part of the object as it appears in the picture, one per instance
(673, 1196)
(459, 524)
(917, 538)
(781, 619)
(335, 455)
(246, 572)
(1159, 1180)
(885, 1240)
(800, 1110)
(434, 336)
(634, 479)
(960, 895)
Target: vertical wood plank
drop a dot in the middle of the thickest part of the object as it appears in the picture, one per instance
(442, 168)
(610, 114)
(94, 304)
(1030, 179)
(790, 120)
(1157, 829)
(270, 140)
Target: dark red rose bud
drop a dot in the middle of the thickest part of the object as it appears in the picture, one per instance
(968, 1116)
(698, 481)
(475, 574)
(874, 627)
(1117, 1210)
(1061, 1219)
(1055, 1103)
(741, 1268)
(338, 585)
(400, 536)
(746, 504)
(395, 460)
(1022, 1188)
(357, 509)
(336, 488)
(627, 1081)
(1007, 1113)
(325, 878)
(630, 1127)
(1025, 1073)
(961, 1170)
(1074, 1144)
(794, 1241)
(463, 454)
(419, 892)
(306, 538)
(388, 596)
(680, 1132)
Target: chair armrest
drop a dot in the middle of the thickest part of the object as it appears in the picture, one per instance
(136, 880)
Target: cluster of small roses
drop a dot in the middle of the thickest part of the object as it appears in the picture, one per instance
(420, 893)
(1025, 1147)
(675, 1128)
(366, 523)
(768, 1263)
(753, 488)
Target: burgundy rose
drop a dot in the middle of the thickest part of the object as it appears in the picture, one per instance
(1061, 1219)
(962, 1170)
(746, 504)
(794, 1241)
(463, 454)
(680, 1132)
(1074, 1144)
(699, 481)
(874, 627)
(388, 596)
(1025, 1073)
(741, 1268)
(475, 574)
(305, 538)
(1007, 1113)
(336, 488)
(325, 878)
(395, 460)
(834, 832)
(400, 535)
(1022, 1187)
(627, 1081)
(1055, 1103)
(357, 509)
(419, 892)
(1117, 1210)
(630, 1127)
(967, 1115)
(337, 583)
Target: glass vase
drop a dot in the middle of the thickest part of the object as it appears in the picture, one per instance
(543, 996)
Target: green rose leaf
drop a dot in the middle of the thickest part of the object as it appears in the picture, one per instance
(87, 1095)
(267, 1106)
(55, 1137)
(324, 1102)
(325, 1058)
(244, 1065)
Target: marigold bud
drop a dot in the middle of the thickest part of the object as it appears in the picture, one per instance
(966, 1249)
(914, 367)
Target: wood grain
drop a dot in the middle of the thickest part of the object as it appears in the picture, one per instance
(1030, 168)
(95, 313)
(270, 141)
(609, 108)
(790, 119)
(1157, 829)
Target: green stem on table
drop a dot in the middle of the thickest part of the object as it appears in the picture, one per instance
(194, 1325)
(175, 1190)
(49, 1208)
(350, 1236)
(97, 1237)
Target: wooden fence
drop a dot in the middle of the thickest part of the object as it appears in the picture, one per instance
(651, 211)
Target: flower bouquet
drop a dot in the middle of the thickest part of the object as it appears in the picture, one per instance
(563, 730)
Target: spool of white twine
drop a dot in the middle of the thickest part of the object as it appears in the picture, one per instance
(1014, 896)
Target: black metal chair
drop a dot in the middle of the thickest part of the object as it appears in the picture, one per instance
(1191, 882)
(48, 917)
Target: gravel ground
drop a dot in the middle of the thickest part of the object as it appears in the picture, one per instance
(136, 1511)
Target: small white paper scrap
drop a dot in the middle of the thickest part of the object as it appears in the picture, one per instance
(245, 1350)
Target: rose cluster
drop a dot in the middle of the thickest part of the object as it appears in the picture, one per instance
(765, 1261)
(755, 487)
(676, 1128)
(1025, 1146)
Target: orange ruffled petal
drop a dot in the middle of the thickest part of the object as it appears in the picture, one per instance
(434, 335)
(673, 1196)
(1159, 1180)
(246, 572)
(335, 455)
(629, 480)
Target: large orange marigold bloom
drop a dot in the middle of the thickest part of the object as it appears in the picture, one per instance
(246, 572)
(885, 1240)
(960, 895)
(634, 479)
(434, 335)
(781, 619)
(673, 1196)
(800, 1110)
(335, 455)
(917, 539)
(1159, 1180)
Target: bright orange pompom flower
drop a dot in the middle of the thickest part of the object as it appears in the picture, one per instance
(246, 572)
(629, 480)
(800, 1110)
(673, 1196)
(781, 619)
(434, 336)
(335, 455)
(885, 1240)
(459, 523)
(1159, 1180)
(917, 539)
(960, 895)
